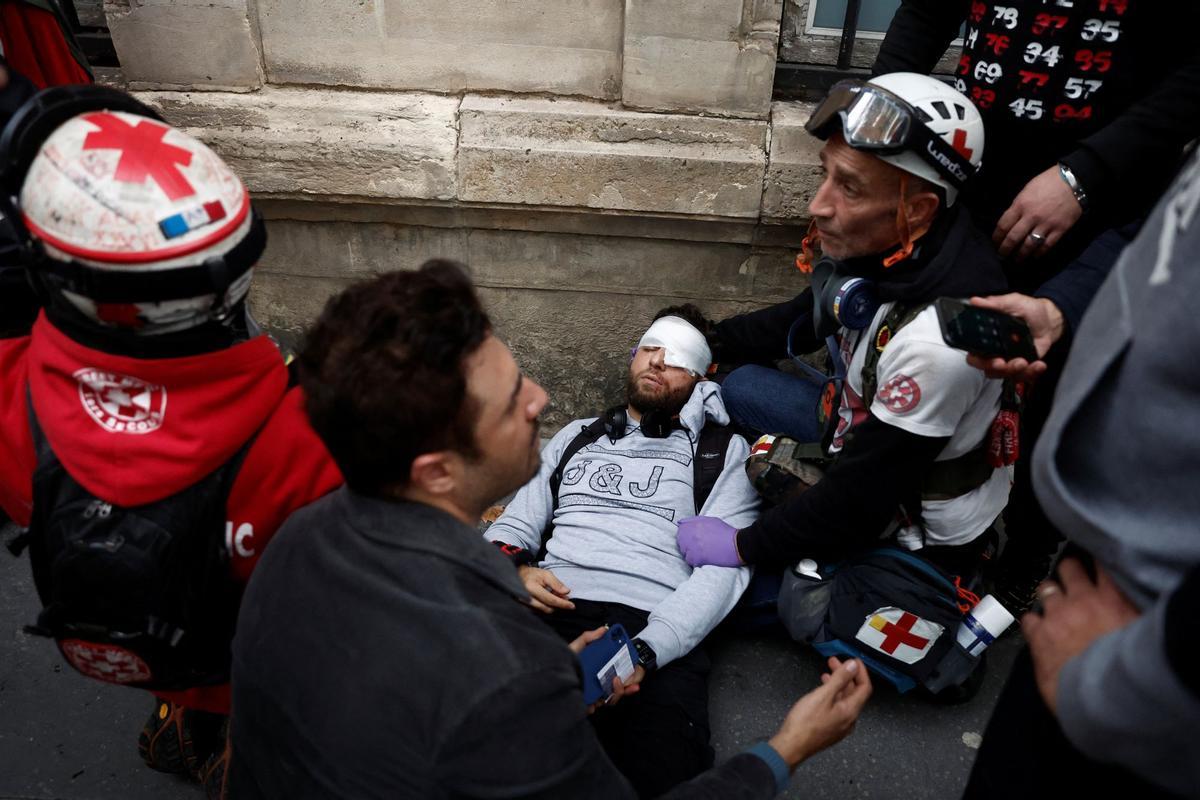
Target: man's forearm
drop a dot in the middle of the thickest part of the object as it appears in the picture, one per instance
(744, 777)
(1157, 128)
(1072, 290)
(762, 335)
(880, 468)
(687, 615)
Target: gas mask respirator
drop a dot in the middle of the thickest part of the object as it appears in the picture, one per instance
(840, 300)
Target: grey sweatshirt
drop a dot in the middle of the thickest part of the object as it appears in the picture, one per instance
(614, 529)
(1117, 469)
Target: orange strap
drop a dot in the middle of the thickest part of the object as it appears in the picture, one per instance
(907, 236)
(966, 598)
(808, 246)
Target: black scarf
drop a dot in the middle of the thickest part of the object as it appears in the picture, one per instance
(953, 259)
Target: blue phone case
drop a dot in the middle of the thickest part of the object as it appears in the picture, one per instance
(596, 655)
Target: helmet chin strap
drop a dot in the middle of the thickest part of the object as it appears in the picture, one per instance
(808, 249)
(907, 235)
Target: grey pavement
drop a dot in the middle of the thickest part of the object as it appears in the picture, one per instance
(65, 736)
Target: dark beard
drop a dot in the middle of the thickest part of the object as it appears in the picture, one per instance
(669, 404)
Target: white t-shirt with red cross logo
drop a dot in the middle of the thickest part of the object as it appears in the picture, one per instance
(926, 387)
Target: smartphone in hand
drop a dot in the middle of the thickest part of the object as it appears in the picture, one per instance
(611, 656)
(984, 331)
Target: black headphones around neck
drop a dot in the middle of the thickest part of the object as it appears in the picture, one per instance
(655, 424)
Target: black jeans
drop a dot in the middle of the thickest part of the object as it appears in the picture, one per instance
(658, 737)
(1026, 755)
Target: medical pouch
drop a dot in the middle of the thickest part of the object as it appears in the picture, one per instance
(890, 607)
(781, 468)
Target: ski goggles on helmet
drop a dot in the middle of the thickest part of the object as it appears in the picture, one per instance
(875, 120)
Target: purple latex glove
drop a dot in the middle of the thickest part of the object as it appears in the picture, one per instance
(708, 540)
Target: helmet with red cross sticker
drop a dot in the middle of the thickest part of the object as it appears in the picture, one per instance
(945, 111)
(132, 222)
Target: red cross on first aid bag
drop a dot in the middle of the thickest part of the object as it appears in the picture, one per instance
(901, 634)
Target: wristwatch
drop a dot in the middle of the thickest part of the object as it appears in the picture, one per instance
(647, 658)
(1073, 184)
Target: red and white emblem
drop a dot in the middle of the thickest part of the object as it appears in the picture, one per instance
(105, 662)
(762, 444)
(900, 634)
(900, 395)
(143, 153)
(121, 404)
(118, 188)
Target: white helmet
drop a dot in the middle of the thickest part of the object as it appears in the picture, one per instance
(945, 111)
(914, 122)
(134, 223)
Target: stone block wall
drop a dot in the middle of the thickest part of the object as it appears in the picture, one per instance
(570, 48)
(592, 160)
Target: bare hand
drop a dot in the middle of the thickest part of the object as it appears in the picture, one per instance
(1047, 207)
(547, 592)
(1076, 612)
(632, 686)
(1045, 323)
(824, 716)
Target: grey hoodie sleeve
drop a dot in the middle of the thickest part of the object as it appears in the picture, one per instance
(687, 615)
(1120, 701)
(530, 511)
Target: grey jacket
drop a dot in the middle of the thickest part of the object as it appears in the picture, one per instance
(615, 525)
(1118, 471)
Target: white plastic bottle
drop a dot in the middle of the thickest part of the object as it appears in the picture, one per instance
(983, 625)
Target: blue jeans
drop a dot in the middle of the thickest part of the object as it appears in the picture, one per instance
(769, 401)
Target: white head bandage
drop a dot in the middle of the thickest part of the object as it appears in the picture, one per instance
(684, 345)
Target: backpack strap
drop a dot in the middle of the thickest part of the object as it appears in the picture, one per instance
(709, 462)
(897, 317)
(588, 434)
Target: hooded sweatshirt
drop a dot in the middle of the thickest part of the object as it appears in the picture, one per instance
(136, 430)
(1116, 470)
(615, 525)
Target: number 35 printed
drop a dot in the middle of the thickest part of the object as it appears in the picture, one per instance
(1104, 30)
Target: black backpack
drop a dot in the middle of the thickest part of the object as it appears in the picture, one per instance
(711, 448)
(141, 596)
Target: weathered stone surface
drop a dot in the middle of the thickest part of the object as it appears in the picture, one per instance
(700, 270)
(569, 305)
(201, 44)
(713, 56)
(447, 45)
(573, 153)
(794, 169)
(385, 145)
(545, 220)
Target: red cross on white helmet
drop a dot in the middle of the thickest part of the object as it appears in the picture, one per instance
(944, 110)
(106, 185)
(120, 193)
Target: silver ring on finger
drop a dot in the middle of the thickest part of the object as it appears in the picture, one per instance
(1045, 591)
(1038, 238)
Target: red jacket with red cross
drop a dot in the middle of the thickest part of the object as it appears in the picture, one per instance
(133, 431)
